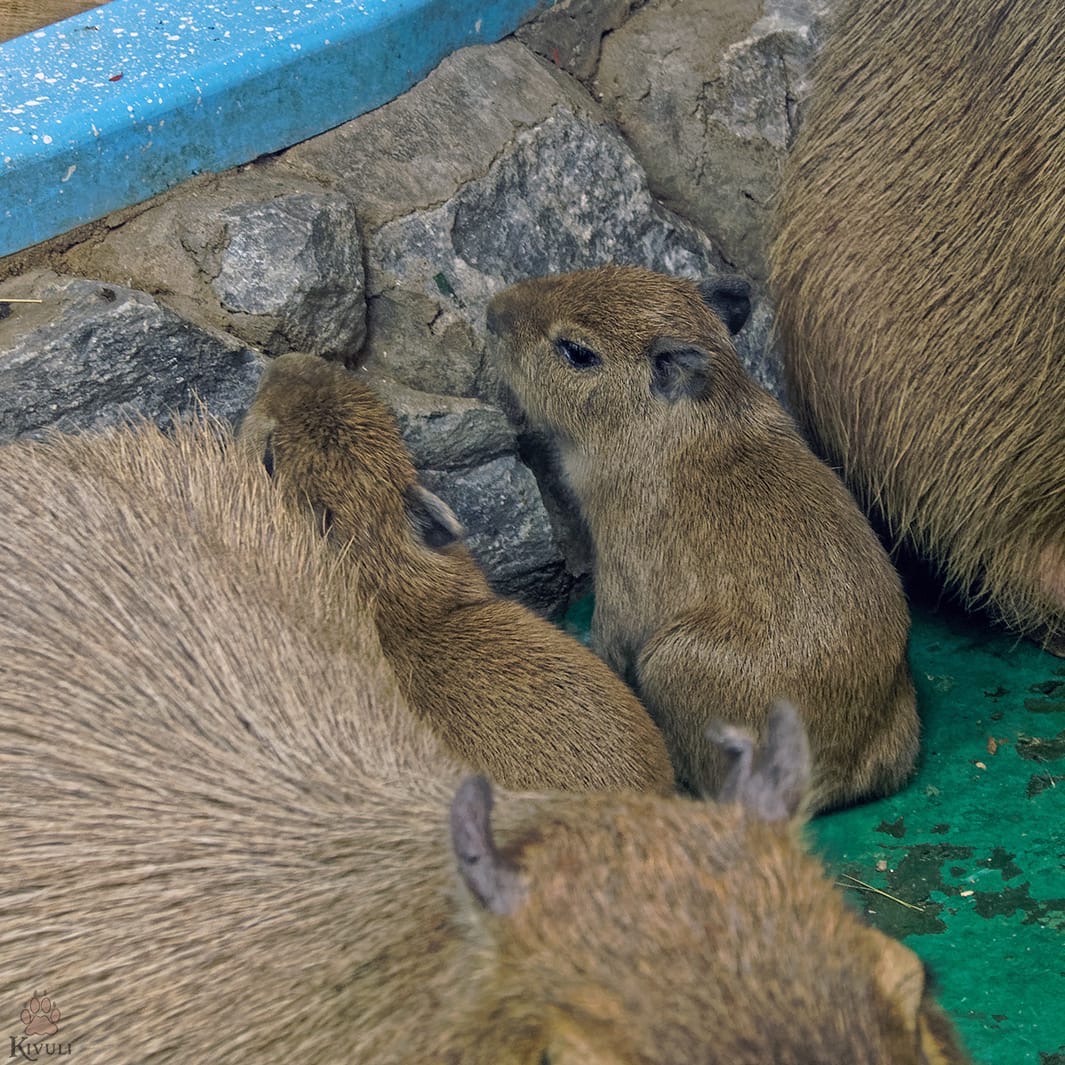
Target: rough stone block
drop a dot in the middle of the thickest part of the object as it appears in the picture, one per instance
(507, 529)
(570, 32)
(277, 263)
(92, 355)
(446, 432)
(709, 95)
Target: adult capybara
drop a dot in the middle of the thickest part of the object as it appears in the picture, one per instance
(507, 691)
(731, 566)
(226, 839)
(919, 271)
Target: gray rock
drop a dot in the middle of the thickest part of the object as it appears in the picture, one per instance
(427, 346)
(507, 529)
(446, 432)
(276, 262)
(541, 208)
(417, 151)
(569, 33)
(293, 265)
(92, 355)
(709, 94)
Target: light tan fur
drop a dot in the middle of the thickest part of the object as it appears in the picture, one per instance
(919, 272)
(506, 690)
(225, 838)
(732, 567)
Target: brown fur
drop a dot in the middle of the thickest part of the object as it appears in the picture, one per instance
(507, 691)
(225, 837)
(920, 277)
(731, 566)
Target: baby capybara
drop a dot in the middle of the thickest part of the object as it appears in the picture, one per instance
(228, 840)
(507, 691)
(731, 566)
(919, 272)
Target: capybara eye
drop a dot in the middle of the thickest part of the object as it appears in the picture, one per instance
(577, 355)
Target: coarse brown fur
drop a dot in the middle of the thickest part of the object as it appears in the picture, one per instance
(507, 691)
(731, 566)
(225, 837)
(919, 272)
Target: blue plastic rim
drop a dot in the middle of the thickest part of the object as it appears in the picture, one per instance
(114, 105)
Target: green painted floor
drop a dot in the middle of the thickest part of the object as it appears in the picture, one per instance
(974, 848)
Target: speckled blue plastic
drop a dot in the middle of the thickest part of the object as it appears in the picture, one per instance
(117, 104)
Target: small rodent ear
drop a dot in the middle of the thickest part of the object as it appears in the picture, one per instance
(492, 880)
(772, 781)
(433, 521)
(678, 370)
(900, 977)
(729, 297)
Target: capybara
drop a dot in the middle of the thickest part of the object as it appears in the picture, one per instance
(226, 839)
(919, 273)
(731, 566)
(506, 690)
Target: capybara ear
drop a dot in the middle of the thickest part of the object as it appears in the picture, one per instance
(492, 880)
(900, 977)
(773, 780)
(729, 297)
(433, 521)
(679, 370)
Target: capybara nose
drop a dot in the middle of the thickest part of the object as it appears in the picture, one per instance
(499, 320)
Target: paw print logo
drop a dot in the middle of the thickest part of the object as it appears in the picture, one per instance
(40, 1016)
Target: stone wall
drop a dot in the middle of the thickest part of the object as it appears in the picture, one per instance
(651, 136)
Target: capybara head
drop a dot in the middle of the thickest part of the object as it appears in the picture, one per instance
(596, 350)
(328, 439)
(713, 938)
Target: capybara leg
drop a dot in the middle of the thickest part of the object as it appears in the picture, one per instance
(864, 744)
(883, 763)
(685, 688)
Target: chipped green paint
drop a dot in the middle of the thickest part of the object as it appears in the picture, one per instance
(975, 843)
(897, 828)
(983, 855)
(1041, 749)
(1040, 782)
